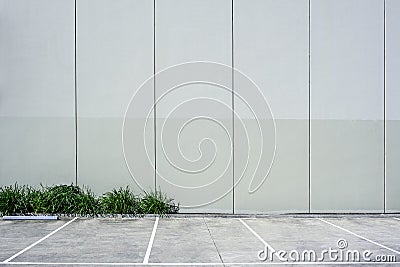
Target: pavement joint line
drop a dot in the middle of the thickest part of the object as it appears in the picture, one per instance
(200, 263)
(39, 241)
(359, 236)
(215, 245)
(151, 241)
(256, 235)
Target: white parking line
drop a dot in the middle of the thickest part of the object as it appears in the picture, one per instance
(359, 236)
(257, 235)
(153, 234)
(37, 242)
(396, 218)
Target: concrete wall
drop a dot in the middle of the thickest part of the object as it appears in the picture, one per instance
(79, 102)
(347, 105)
(392, 105)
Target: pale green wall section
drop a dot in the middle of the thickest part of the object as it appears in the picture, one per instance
(343, 96)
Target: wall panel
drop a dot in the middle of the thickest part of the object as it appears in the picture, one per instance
(271, 47)
(37, 136)
(347, 106)
(194, 30)
(392, 105)
(115, 56)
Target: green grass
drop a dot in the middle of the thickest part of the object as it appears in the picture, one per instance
(67, 199)
(119, 201)
(157, 203)
(71, 199)
(17, 199)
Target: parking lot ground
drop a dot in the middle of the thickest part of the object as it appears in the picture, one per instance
(202, 240)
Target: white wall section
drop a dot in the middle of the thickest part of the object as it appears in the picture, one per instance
(271, 47)
(392, 105)
(114, 57)
(347, 85)
(306, 120)
(37, 136)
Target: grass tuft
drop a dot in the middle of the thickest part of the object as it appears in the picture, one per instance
(72, 199)
(17, 199)
(157, 203)
(119, 201)
(69, 199)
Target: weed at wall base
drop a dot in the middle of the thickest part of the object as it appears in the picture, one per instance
(71, 199)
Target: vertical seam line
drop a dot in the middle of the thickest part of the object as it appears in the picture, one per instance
(233, 110)
(75, 96)
(154, 95)
(384, 106)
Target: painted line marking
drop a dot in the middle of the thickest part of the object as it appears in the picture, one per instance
(198, 263)
(397, 219)
(151, 241)
(40, 240)
(359, 236)
(256, 235)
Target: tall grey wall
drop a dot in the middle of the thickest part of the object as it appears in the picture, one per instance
(37, 134)
(71, 73)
